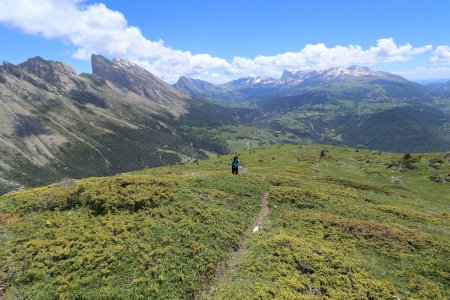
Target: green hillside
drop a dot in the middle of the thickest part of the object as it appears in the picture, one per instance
(340, 223)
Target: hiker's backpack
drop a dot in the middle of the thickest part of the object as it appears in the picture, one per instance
(235, 163)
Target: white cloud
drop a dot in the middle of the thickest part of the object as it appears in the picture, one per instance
(387, 51)
(422, 73)
(94, 28)
(441, 55)
(321, 56)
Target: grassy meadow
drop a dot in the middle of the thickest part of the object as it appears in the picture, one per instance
(343, 224)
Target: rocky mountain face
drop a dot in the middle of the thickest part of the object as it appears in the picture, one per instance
(56, 124)
(197, 88)
(138, 80)
(194, 84)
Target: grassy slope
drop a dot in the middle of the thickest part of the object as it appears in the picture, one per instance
(342, 227)
(347, 227)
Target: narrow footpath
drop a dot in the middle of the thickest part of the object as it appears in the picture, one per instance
(226, 269)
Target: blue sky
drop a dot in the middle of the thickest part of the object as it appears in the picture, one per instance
(222, 40)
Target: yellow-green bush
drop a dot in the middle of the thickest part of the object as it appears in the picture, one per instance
(122, 237)
(287, 267)
(102, 195)
(300, 198)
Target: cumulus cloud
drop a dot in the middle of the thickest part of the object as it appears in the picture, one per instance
(94, 28)
(321, 56)
(425, 73)
(441, 55)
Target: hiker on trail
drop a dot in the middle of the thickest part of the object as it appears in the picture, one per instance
(235, 163)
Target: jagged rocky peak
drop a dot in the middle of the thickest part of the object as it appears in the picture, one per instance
(127, 74)
(111, 70)
(99, 64)
(115, 70)
(50, 71)
(10, 68)
(286, 75)
(135, 78)
(187, 80)
(46, 74)
(184, 82)
(184, 79)
(289, 76)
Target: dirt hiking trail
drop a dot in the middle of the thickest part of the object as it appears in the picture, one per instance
(227, 268)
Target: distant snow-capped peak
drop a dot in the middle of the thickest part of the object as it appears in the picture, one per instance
(295, 77)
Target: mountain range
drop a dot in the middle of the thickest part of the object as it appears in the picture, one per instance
(360, 81)
(57, 124)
